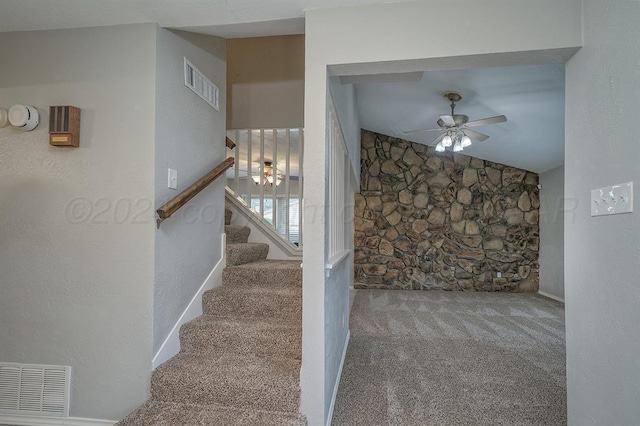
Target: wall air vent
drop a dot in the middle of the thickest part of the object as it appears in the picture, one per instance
(41, 390)
(201, 85)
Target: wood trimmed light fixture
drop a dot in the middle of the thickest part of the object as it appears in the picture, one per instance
(269, 177)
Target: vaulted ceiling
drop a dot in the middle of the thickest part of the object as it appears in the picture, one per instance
(531, 97)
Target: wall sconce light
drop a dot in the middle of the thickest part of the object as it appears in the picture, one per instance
(24, 117)
(4, 117)
(64, 126)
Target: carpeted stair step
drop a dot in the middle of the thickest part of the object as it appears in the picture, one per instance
(239, 254)
(256, 383)
(155, 413)
(213, 336)
(237, 234)
(259, 303)
(267, 274)
(227, 216)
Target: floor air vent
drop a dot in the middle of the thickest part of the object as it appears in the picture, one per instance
(34, 389)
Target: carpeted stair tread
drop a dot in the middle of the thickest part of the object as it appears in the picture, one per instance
(214, 336)
(239, 363)
(242, 253)
(266, 273)
(255, 302)
(258, 383)
(155, 413)
(237, 234)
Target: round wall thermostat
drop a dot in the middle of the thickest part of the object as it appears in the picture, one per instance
(24, 117)
(4, 117)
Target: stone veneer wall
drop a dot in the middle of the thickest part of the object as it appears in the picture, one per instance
(428, 220)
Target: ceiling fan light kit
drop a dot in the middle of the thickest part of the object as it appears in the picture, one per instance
(457, 133)
(269, 177)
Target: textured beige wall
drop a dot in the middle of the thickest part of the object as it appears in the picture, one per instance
(265, 82)
(77, 224)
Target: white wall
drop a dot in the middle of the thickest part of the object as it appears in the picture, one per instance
(602, 254)
(190, 139)
(360, 34)
(265, 83)
(552, 233)
(76, 224)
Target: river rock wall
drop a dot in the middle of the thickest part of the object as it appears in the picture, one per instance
(426, 220)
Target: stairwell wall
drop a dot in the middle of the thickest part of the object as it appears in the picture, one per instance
(190, 139)
(265, 82)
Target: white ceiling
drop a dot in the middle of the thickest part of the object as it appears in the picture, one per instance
(532, 98)
(224, 18)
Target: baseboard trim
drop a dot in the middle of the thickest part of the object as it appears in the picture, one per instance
(52, 421)
(171, 345)
(335, 388)
(551, 296)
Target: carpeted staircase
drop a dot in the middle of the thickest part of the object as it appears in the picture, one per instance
(239, 363)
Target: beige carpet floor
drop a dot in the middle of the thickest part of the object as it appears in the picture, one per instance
(453, 358)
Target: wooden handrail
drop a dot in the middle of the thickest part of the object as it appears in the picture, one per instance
(230, 143)
(170, 207)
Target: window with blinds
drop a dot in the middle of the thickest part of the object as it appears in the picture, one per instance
(290, 231)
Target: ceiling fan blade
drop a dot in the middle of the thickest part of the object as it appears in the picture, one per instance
(475, 135)
(422, 130)
(488, 120)
(438, 139)
(448, 120)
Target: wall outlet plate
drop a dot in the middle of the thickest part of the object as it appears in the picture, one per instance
(614, 199)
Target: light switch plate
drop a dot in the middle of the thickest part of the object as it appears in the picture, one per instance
(615, 199)
(173, 179)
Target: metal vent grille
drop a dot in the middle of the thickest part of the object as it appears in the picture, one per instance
(34, 389)
(200, 84)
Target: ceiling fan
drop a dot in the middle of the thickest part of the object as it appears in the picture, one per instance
(456, 127)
